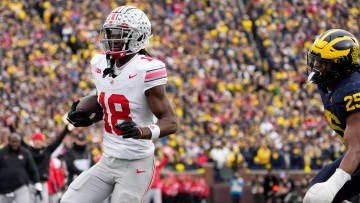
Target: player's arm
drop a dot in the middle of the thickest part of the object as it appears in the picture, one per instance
(351, 158)
(161, 108)
(54, 144)
(84, 118)
(327, 190)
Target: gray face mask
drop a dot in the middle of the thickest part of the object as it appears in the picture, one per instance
(115, 41)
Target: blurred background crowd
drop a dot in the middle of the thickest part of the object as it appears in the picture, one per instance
(236, 71)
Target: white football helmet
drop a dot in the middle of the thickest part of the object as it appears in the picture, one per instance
(126, 30)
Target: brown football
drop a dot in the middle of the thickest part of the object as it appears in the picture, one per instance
(90, 104)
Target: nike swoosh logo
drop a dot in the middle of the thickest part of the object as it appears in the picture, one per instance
(131, 76)
(138, 171)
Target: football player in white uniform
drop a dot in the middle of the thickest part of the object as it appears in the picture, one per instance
(131, 90)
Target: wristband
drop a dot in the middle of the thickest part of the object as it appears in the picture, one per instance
(155, 131)
(141, 133)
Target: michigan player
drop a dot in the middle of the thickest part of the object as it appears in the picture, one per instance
(131, 90)
(333, 66)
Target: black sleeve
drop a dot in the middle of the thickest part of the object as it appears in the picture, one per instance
(52, 146)
(69, 160)
(31, 167)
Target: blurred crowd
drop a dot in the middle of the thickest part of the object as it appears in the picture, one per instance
(236, 76)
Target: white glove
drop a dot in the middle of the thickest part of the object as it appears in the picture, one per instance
(38, 186)
(70, 127)
(326, 191)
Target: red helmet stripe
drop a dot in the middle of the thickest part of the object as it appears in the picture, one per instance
(114, 14)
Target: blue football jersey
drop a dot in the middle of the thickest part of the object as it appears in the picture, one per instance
(342, 102)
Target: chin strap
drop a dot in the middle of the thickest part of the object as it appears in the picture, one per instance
(110, 66)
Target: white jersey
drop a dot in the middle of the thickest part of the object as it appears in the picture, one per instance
(123, 98)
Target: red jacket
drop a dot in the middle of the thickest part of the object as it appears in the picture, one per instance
(202, 159)
(56, 178)
(185, 186)
(200, 190)
(171, 189)
(205, 190)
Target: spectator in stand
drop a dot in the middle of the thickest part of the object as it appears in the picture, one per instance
(316, 160)
(248, 154)
(4, 135)
(185, 186)
(200, 190)
(235, 159)
(202, 158)
(277, 160)
(17, 170)
(296, 159)
(42, 154)
(219, 155)
(287, 157)
(170, 188)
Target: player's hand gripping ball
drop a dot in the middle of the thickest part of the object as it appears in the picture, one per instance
(85, 112)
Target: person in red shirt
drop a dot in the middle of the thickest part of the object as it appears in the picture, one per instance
(170, 188)
(56, 180)
(205, 190)
(200, 190)
(185, 184)
(202, 158)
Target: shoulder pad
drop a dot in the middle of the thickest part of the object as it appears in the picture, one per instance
(97, 58)
(348, 89)
(150, 62)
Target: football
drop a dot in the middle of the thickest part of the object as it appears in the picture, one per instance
(90, 104)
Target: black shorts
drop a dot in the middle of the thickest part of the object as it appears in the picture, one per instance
(350, 189)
